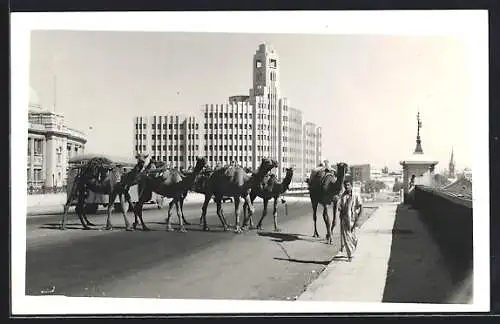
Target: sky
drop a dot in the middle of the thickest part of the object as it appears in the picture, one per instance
(363, 90)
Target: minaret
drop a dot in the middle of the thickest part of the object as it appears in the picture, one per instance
(451, 166)
(418, 148)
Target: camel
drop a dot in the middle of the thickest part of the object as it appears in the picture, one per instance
(233, 181)
(102, 176)
(325, 188)
(172, 184)
(268, 189)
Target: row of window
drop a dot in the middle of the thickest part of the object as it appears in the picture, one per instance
(228, 126)
(170, 126)
(170, 137)
(228, 136)
(170, 147)
(38, 146)
(234, 147)
(231, 115)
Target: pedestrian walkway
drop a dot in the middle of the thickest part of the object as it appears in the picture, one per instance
(396, 261)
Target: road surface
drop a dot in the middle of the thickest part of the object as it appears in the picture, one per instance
(262, 265)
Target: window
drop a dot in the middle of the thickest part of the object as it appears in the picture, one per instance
(215, 126)
(175, 137)
(220, 115)
(220, 147)
(152, 147)
(169, 159)
(196, 136)
(164, 136)
(164, 147)
(144, 126)
(143, 136)
(206, 115)
(158, 126)
(144, 147)
(137, 147)
(181, 147)
(197, 126)
(175, 158)
(170, 147)
(225, 147)
(181, 158)
(164, 158)
(197, 147)
(152, 126)
(169, 126)
(225, 136)
(206, 147)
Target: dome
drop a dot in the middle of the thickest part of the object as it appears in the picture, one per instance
(34, 102)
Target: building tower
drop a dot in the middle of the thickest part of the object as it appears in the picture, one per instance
(451, 166)
(265, 98)
(418, 148)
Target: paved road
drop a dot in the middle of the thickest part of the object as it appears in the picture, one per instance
(219, 265)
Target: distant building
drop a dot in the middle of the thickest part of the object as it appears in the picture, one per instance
(451, 166)
(295, 154)
(311, 136)
(228, 134)
(360, 172)
(244, 129)
(50, 145)
(170, 138)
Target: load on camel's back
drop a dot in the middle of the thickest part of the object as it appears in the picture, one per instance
(98, 167)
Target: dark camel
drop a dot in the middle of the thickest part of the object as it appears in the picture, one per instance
(172, 184)
(268, 189)
(102, 176)
(325, 188)
(235, 182)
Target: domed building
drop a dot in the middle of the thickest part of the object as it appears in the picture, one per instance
(50, 145)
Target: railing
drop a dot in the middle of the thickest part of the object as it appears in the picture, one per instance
(34, 189)
(449, 218)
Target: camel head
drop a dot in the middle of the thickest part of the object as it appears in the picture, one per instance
(267, 165)
(200, 164)
(141, 160)
(341, 169)
(289, 171)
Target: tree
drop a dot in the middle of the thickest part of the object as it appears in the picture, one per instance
(385, 170)
(397, 187)
(441, 180)
(374, 186)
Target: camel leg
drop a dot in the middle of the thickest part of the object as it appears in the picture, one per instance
(251, 209)
(124, 212)
(70, 198)
(170, 205)
(264, 213)
(182, 210)
(275, 215)
(181, 223)
(335, 214)
(112, 197)
(237, 228)
(220, 212)
(315, 209)
(250, 218)
(203, 218)
(80, 210)
(326, 218)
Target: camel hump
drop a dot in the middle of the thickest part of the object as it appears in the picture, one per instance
(231, 170)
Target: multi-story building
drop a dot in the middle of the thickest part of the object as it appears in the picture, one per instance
(360, 172)
(50, 145)
(228, 133)
(295, 143)
(244, 129)
(310, 137)
(171, 138)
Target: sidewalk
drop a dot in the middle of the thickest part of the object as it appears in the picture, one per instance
(396, 261)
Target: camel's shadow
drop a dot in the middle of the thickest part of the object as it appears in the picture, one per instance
(78, 226)
(282, 237)
(324, 263)
(68, 226)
